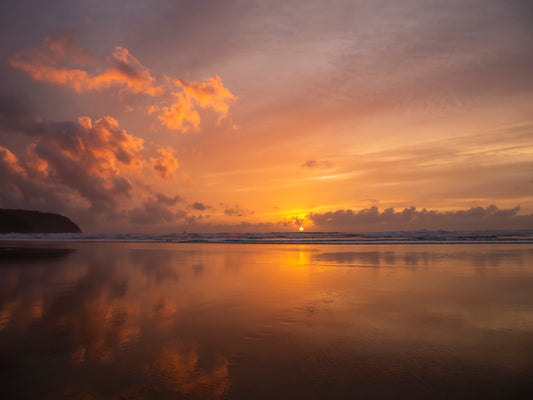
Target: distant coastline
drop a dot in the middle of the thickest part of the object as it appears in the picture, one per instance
(29, 221)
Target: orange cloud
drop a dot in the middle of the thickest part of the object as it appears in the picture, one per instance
(58, 61)
(86, 167)
(166, 163)
(85, 164)
(210, 93)
(9, 162)
(76, 79)
(103, 146)
(180, 115)
(126, 71)
(55, 61)
(89, 158)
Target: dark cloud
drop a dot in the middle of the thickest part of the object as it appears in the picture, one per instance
(237, 211)
(169, 201)
(22, 188)
(310, 164)
(200, 206)
(15, 112)
(316, 164)
(367, 220)
(82, 168)
(195, 221)
(88, 159)
(157, 210)
(374, 220)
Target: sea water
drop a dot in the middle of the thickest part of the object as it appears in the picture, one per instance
(396, 237)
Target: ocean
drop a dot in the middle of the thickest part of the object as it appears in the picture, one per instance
(397, 237)
(398, 315)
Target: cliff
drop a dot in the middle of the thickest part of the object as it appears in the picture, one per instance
(25, 221)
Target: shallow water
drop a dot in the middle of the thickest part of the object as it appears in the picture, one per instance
(247, 321)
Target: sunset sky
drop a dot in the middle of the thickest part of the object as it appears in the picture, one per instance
(164, 116)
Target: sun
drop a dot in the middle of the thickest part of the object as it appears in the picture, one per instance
(301, 228)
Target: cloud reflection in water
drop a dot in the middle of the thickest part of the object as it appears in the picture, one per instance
(139, 321)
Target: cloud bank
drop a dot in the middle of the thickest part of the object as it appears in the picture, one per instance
(374, 220)
(316, 164)
(362, 221)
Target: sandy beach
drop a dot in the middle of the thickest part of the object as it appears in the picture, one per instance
(242, 321)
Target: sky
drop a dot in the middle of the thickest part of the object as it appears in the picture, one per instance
(204, 116)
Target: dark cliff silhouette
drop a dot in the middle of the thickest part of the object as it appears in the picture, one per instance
(25, 221)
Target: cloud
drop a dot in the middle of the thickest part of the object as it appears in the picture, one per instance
(157, 210)
(25, 185)
(87, 159)
(176, 102)
(58, 61)
(316, 164)
(236, 211)
(166, 163)
(88, 168)
(200, 206)
(373, 220)
(210, 93)
(169, 201)
(126, 70)
(181, 113)
(9, 163)
(14, 112)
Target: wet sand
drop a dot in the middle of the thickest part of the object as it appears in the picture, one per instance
(245, 321)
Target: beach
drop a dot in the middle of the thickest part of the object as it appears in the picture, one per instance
(100, 320)
(250, 200)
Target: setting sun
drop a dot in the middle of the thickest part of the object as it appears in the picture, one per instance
(301, 228)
